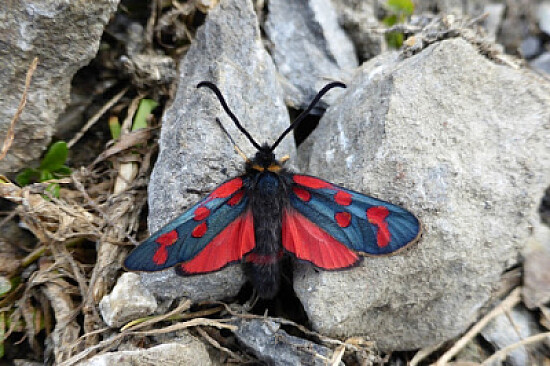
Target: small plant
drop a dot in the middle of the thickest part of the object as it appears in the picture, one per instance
(145, 108)
(51, 167)
(398, 12)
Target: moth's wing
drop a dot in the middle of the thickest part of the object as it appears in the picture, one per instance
(210, 235)
(325, 224)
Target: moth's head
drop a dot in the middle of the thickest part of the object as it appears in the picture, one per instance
(264, 160)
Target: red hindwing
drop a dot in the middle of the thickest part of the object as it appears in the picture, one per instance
(309, 242)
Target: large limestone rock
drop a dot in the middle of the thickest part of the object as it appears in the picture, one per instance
(64, 35)
(462, 142)
(308, 47)
(195, 156)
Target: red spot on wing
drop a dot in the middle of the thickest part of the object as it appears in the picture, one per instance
(343, 219)
(309, 242)
(342, 198)
(227, 189)
(230, 245)
(161, 256)
(201, 213)
(302, 194)
(165, 240)
(236, 198)
(311, 182)
(168, 239)
(199, 230)
(377, 216)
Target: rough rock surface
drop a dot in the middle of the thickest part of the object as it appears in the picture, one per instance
(462, 142)
(187, 352)
(128, 301)
(195, 155)
(274, 346)
(456, 7)
(308, 47)
(358, 18)
(64, 35)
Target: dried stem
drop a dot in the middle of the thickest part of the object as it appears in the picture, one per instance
(10, 135)
(512, 300)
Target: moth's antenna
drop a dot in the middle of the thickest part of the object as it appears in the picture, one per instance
(216, 91)
(303, 115)
(237, 149)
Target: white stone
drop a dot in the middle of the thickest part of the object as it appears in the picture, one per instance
(128, 300)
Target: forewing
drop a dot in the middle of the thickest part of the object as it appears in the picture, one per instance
(357, 221)
(215, 232)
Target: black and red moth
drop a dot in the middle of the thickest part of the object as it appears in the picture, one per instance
(269, 212)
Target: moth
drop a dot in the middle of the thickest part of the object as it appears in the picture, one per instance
(269, 212)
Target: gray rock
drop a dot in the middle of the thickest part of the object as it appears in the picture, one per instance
(146, 69)
(536, 273)
(195, 155)
(542, 63)
(437, 133)
(530, 47)
(495, 12)
(128, 300)
(358, 18)
(64, 35)
(308, 47)
(501, 332)
(455, 7)
(515, 28)
(274, 346)
(190, 352)
(543, 16)
(216, 286)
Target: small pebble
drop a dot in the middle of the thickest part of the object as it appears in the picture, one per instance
(542, 63)
(530, 47)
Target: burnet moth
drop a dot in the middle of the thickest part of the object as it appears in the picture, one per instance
(269, 212)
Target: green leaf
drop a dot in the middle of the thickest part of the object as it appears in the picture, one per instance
(53, 189)
(55, 157)
(390, 20)
(401, 6)
(394, 39)
(145, 108)
(26, 177)
(45, 175)
(114, 127)
(63, 171)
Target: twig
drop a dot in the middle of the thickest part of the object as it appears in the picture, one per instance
(113, 341)
(512, 300)
(177, 316)
(220, 324)
(217, 345)
(337, 355)
(423, 353)
(97, 116)
(503, 352)
(134, 325)
(11, 130)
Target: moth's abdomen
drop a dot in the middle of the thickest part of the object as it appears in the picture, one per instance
(263, 272)
(262, 264)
